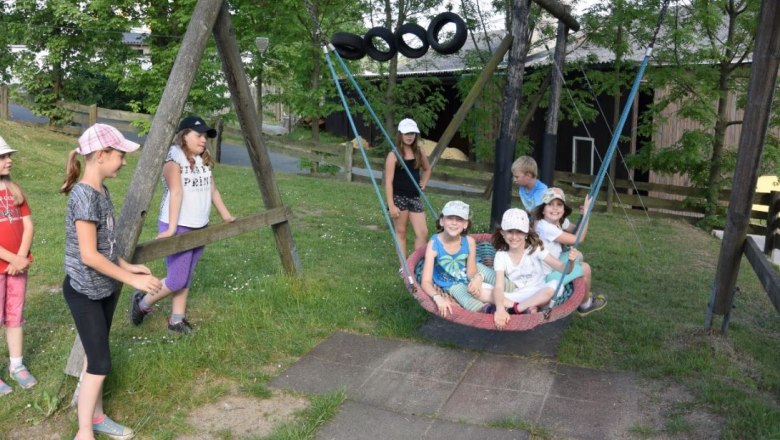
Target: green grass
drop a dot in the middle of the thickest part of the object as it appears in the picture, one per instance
(253, 321)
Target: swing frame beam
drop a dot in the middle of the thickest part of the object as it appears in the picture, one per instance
(214, 16)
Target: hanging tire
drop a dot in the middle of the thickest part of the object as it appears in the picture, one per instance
(456, 42)
(385, 35)
(350, 46)
(416, 30)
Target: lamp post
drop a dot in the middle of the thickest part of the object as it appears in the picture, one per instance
(262, 45)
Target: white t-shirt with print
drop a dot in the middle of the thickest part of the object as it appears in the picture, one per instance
(549, 232)
(196, 191)
(529, 273)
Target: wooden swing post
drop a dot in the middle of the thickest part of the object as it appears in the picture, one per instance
(166, 119)
(763, 78)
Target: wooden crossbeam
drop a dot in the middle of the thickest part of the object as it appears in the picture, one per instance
(765, 271)
(152, 250)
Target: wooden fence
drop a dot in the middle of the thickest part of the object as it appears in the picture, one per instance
(474, 178)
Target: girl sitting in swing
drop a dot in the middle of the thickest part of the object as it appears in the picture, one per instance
(555, 230)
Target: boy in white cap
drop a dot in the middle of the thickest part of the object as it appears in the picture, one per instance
(403, 198)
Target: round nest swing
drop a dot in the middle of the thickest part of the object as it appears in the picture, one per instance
(459, 315)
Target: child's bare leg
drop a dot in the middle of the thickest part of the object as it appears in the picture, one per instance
(586, 275)
(14, 336)
(540, 298)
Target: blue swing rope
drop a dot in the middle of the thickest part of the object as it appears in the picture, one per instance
(381, 126)
(401, 258)
(327, 48)
(595, 188)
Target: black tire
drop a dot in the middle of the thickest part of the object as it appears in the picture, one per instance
(457, 41)
(350, 46)
(385, 35)
(416, 30)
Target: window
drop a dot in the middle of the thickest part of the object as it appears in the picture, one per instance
(583, 157)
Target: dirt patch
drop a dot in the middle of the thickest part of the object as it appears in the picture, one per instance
(668, 411)
(55, 427)
(243, 417)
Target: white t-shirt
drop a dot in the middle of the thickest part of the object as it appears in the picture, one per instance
(529, 273)
(549, 232)
(196, 191)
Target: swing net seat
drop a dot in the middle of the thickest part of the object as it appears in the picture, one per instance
(484, 321)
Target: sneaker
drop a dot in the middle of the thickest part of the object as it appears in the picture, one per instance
(23, 377)
(598, 303)
(182, 327)
(136, 312)
(4, 388)
(112, 429)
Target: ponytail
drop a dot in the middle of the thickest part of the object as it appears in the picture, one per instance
(72, 172)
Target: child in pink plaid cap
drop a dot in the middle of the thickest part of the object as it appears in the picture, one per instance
(94, 269)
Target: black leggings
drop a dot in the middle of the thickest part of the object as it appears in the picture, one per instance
(93, 322)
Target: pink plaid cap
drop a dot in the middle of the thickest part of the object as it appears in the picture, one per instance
(102, 136)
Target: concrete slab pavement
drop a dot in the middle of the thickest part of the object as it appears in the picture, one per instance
(402, 389)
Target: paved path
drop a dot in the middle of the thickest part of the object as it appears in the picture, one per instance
(405, 390)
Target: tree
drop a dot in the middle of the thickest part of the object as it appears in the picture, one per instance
(68, 43)
(398, 99)
(702, 62)
(168, 22)
(6, 40)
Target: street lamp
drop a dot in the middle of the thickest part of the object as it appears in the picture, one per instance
(262, 45)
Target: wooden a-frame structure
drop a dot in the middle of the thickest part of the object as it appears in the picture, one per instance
(209, 16)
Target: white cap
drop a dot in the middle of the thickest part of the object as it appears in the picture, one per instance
(5, 148)
(408, 126)
(515, 219)
(456, 208)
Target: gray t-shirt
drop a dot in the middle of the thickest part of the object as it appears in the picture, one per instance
(85, 203)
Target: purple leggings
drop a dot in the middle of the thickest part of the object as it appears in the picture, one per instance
(180, 265)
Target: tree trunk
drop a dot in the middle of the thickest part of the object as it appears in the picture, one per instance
(392, 80)
(718, 141)
(315, 85)
(719, 135)
(507, 138)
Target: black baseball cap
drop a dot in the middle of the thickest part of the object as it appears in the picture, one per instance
(197, 124)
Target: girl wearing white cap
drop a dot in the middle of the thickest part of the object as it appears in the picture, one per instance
(403, 199)
(520, 274)
(16, 234)
(556, 231)
(94, 268)
(451, 270)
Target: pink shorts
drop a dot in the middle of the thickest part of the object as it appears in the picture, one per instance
(12, 292)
